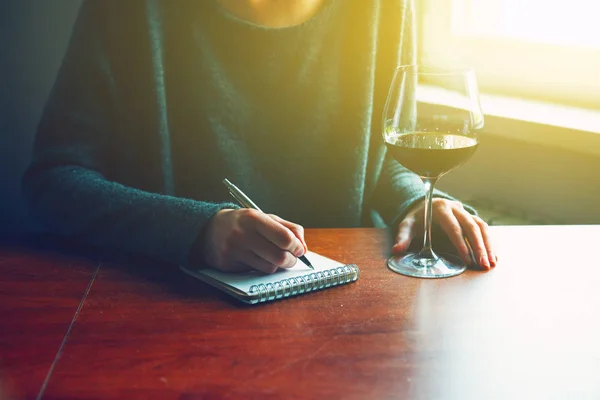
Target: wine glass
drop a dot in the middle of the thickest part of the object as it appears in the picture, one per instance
(430, 121)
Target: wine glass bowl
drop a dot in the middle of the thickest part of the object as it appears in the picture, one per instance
(430, 124)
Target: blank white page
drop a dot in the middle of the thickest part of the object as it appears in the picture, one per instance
(243, 281)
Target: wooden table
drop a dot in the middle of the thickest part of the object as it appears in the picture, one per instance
(528, 329)
(41, 291)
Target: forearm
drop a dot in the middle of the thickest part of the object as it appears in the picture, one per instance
(80, 203)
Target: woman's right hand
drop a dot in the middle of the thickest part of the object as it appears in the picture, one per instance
(239, 240)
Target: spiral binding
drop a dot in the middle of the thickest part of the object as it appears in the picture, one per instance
(305, 283)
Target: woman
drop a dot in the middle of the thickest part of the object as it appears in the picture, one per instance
(158, 101)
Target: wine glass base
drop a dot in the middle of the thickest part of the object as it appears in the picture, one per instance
(420, 267)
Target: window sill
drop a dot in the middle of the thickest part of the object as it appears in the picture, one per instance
(563, 127)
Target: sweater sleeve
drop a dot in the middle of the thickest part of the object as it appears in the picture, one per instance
(67, 187)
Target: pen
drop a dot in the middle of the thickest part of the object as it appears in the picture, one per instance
(245, 201)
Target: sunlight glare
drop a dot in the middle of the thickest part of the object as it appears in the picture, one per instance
(573, 24)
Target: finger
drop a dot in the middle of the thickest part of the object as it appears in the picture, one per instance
(270, 252)
(258, 263)
(473, 233)
(453, 229)
(404, 236)
(487, 240)
(274, 232)
(296, 229)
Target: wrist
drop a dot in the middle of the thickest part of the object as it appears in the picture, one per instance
(201, 246)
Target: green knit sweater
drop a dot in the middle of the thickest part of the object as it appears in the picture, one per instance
(157, 101)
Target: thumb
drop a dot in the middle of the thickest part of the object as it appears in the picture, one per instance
(404, 236)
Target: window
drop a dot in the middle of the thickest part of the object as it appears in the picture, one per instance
(537, 49)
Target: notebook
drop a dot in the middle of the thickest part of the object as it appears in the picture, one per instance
(255, 287)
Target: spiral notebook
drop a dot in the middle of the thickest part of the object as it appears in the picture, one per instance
(255, 287)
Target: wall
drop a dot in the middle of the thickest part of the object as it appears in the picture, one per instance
(546, 183)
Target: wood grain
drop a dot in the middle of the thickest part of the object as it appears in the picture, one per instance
(40, 290)
(527, 329)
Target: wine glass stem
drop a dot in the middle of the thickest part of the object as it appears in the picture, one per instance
(427, 251)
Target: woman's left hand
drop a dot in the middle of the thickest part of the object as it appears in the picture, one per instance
(458, 224)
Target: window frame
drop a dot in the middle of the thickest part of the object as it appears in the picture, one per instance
(545, 76)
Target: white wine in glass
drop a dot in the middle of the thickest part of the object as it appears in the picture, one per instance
(431, 135)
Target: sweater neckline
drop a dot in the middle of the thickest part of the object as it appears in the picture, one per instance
(323, 10)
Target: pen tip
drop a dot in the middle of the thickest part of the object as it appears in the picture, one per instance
(305, 261)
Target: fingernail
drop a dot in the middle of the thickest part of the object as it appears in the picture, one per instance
(484, 262)
(493, 259)
(399, 248)
(299, 251)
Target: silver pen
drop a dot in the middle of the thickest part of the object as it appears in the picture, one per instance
(245, 201)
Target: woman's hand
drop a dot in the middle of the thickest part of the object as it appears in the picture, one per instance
(458, 223)
(239, 240)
